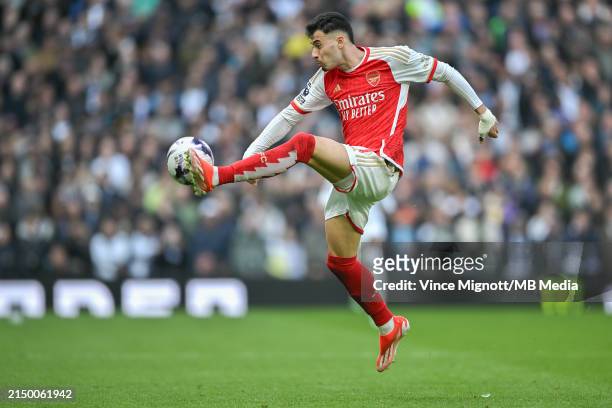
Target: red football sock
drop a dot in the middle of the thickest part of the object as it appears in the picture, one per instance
(359, 281)
(271, 162)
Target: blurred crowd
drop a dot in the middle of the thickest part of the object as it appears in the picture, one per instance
(93, 92)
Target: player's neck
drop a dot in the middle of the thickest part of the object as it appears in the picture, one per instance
(352, 57)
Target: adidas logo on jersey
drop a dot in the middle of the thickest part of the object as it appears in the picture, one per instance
(337, 88)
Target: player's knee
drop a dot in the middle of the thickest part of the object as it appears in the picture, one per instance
(305, 145)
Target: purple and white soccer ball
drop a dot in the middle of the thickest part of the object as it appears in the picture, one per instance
(176, 157)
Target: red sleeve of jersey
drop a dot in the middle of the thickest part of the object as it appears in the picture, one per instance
(433, 70)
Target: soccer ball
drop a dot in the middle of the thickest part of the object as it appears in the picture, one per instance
(175, 158)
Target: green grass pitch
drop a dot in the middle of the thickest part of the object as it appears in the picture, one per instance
(317, 357)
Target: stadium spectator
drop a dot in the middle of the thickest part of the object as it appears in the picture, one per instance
(110, 251)
(8, 255)
(172, 256)
(144, 246)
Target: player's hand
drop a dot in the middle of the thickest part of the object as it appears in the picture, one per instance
(487, 127)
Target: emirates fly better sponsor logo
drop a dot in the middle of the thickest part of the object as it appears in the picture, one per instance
(353, 107)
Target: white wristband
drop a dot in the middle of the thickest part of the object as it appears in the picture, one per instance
(487, 121)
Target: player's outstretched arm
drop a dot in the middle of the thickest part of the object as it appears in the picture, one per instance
(487, 127)
(311, 98)
(409, 65)
(275, 131)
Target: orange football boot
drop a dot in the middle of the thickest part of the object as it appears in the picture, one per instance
(201, 172)
(390, 341)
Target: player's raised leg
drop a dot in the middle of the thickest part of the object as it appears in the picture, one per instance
(343, 243)
(330, 159)
(326, 156)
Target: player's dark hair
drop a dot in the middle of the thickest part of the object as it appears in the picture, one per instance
(328, 22)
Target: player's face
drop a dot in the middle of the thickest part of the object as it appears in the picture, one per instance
(325, 49)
